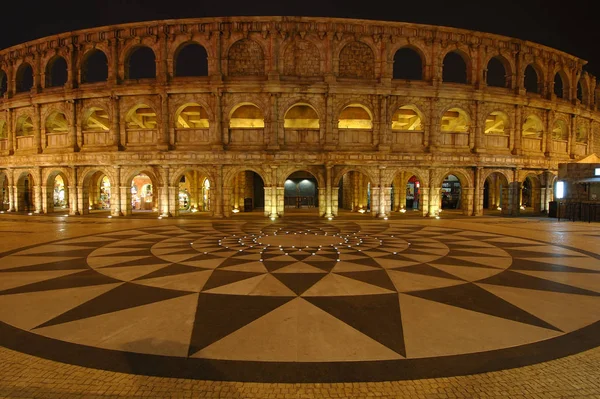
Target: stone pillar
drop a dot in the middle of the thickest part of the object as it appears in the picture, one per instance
(119, 197)
(362, 199)
(273, 212)
(37, 192)
(356, 181)
(236, 190)
(116, 124)
(37, 128)
(74, 123)
(163, 138)
(10, 130)
(172, 192)
(434, 201)
(571, 145)
(467, 200)
(328, 199)
(401, 191)
(382, 192)
(219, 193)
(424, 199)
(74, 208)
(516, 140)
(272, 134)
(477, 140)
(165, 194)
(514, 194)
(47, 200)
(218, 137)
(374, 200)
(478, 194)
(14, 195)
(334, 200)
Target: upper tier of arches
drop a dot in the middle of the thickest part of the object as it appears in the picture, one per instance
(308, 49)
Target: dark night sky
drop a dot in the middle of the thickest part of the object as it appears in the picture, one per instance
(567, 26)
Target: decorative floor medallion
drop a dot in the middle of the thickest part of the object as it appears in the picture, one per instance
(298, 302)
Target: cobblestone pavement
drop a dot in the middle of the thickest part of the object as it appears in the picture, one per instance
(575, 376)
(24, 376)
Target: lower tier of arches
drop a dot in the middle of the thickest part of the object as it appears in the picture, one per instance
(274, 190)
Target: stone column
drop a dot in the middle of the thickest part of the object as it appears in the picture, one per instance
(328, 191)
(12, 199)
(424, 199)
(571, 145)
(467, 195)
(476, 143)
(47, 200)
(362, 199)
(74, 193)
(74, 123)
(273, 213)
(355, 185)
(516, 138)
(514, 194)
(118, 197)
(236, 191)
(11, 131)
(329, 127)
(548, 132)
(401, 190)
(382, 202)
(478, 194)
(219, 193)
(219, 137)
(116, 123)
(272, 135)
(374, 200)
(163, 138)
(37, 192)
(334, 200)
(37, 128)
(165, 194)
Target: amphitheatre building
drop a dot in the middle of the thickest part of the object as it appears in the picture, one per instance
(272, 114)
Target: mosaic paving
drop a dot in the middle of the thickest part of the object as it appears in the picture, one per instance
(299, 302)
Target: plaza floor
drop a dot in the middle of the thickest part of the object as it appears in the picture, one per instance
(300, 307)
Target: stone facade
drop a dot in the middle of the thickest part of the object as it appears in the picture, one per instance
(258, 69)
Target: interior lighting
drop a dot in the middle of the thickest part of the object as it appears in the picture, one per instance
(30, 213)
(329, 218)
(560, 187)
(361, 211)
(194, 210)
(499, 208)
(402, 210)
(235, 210)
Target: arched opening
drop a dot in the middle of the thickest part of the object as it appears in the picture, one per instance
(406, 194)
(530, 195)
(3, 132)
(191, 116)
(4, 193)
(141, 125)
(560, 130)
(455, 120)
(194, 196)
(559, 86)
(581, 135)
(354, 192)
(191, 60)
(24, 81)
(355, 116)
(301, 125)
(408, 64)
(57, 122)
(496, 73)
(141, 64)
(454, 68)
(531, 80)
(3, 83)
(451, 193)
(533, 127)
(24, 126)
(25, 194)
(301, 193)
(56, 72)
(407, 118)
(143, 193)
(97, 189)
(495, 194)
(495, 123)
(579, 91)
(94, 67)
(57, 193)
(248, 194)
(96, 120)
(247, 116)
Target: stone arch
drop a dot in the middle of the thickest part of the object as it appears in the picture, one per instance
(230, 174)
(24, 78)
(57, 71)
(495, 185)
(305, 113)
(23, 125)
(415, 60)
(301, 57)
(141, 116)
(532, 126)
(25, 182)
(95, 119)
(3, 82)
(94, 66)
(90, 191)
(356, 60)
(340, 172)
(317, 171)
(465, 179)
(302, 197)
(360, 118)
(183, 56)
(140, 63)
(456, 67)
(582, 132)
(464, 176)
(533, 78)
(507, 174)
(408, 117)
(560, 129)
(56, 121)
(352, 185)
(246, 57)
(191, 115)
(127, 176)
(497, 122)
(562, 84)
(531, 199)
(459, 119)
(197, 201)
(245, 114)
(5, 191)
(49, 178)
(583, 92)
(498, 72)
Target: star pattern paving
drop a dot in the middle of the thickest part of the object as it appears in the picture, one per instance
(299, 293)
